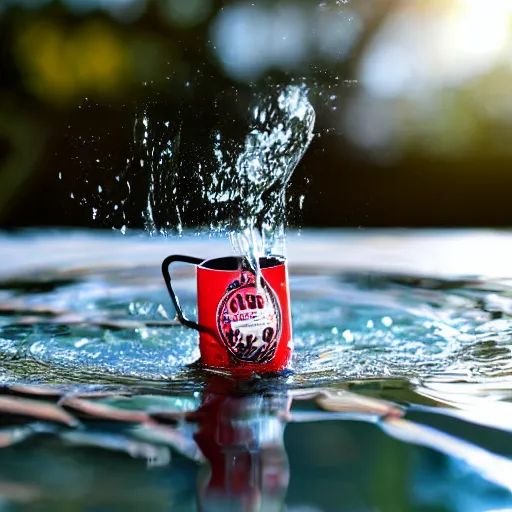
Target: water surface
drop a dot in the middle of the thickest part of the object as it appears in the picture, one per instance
(420, 320)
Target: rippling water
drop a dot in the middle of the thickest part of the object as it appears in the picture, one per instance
(67, 320)
(400, 397)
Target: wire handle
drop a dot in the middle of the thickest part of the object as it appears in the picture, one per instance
(167, 277)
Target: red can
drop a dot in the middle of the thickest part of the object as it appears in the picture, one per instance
(244, 326)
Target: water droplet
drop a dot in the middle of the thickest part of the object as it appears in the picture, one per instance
(387, 321)
(348, 336)
(81, 343)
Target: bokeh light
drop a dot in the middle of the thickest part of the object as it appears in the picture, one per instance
(126, 11)
(430, 48)
(59, 65)
(249, 39)
(185, 13)
(431, 76)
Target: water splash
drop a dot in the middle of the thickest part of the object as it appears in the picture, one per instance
(248, 192)
(151, 175)
(209, 175)
(273, 150)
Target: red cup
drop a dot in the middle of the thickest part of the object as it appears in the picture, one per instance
(243, 328)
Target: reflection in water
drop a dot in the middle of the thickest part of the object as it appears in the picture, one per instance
(229, 453)
(242, 438)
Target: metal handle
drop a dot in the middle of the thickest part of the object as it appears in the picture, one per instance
(167, 277)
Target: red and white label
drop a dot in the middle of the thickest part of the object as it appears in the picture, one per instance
(249, 320)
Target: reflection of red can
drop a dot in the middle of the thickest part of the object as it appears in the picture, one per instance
(244, 326)
(241, 436)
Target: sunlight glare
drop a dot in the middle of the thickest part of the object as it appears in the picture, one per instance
(476, 34)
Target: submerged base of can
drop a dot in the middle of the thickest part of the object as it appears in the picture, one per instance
(243, 372)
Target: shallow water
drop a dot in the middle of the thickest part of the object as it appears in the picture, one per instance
(419, 318)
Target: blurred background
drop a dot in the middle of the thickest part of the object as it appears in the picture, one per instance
(413, 104)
